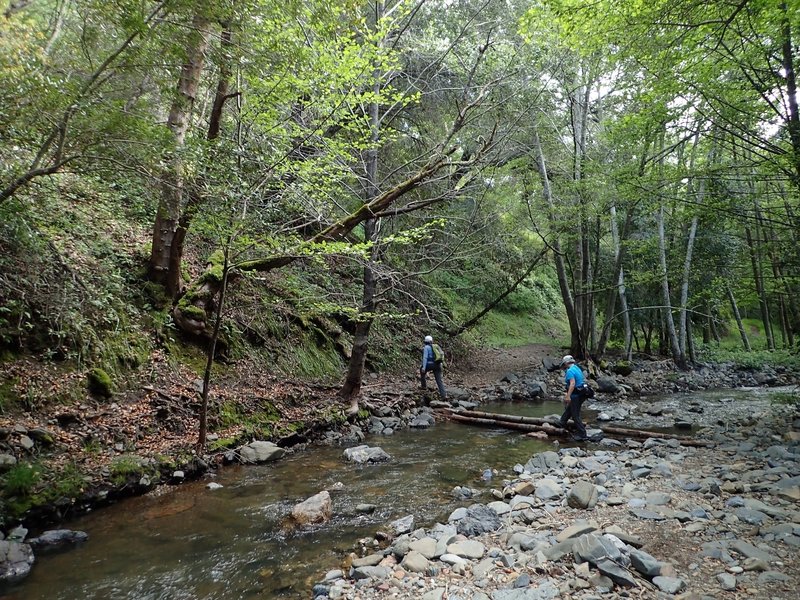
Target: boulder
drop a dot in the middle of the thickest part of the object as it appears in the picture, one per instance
(365, 454)
(669, 585)
(16, 560)
(415, 562)
(548, 489)
(607, 385)
(645, 563)
(471, 549)
(402, 525)
(551, 364)
(582, 495)
(478, 519)
(317, 509)
(543, 462)
(260, 452)
(7, 461)
(593, 548)
(55, 538)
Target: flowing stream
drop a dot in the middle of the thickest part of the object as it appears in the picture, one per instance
(194, 543)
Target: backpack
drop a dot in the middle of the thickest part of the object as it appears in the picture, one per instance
(438, 354)
(586, 391)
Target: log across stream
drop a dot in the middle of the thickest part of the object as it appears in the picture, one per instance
(536, 424)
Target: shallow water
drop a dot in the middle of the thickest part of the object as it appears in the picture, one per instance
(232, 543)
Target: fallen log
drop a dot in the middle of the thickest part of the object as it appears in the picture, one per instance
(522, 423)
(550, 430)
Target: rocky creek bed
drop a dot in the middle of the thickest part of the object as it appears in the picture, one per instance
(616, 519)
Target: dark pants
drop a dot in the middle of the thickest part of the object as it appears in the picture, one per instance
(573, 411)
(437, 375)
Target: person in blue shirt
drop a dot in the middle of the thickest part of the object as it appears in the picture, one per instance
(430, 364)
(573, 399)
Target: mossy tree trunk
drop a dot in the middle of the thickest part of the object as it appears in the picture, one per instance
(168, 236)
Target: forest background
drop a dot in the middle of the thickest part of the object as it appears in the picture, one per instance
(304, 189)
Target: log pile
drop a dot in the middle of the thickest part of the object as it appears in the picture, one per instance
(534, 424)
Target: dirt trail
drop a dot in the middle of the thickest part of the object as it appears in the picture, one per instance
(488, 365)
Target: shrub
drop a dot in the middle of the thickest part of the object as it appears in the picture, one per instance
(21, 479)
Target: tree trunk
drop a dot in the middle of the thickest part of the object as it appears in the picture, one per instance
(793, 124)
(738, 317)
(212, 349)
(619, 287)
(576, 338)
(669, 323)
(355, 368)
(690, 342)
(687, 270)
(760, 292)
(167, 250)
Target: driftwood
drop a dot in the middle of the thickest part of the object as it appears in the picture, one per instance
(520, 423)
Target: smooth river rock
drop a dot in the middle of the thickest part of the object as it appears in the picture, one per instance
(317, 509)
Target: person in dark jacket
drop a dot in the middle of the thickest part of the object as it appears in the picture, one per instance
(573, 399)
(429, 363)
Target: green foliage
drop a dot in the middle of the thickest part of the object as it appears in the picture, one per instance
(786, 398)
(126, 467)
(21, 479)
(756, 359)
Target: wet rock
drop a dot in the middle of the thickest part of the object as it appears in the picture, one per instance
(56, 538)
(260, 452)
(366, 454)
(16, 560)
(536, 389)
(402, 525)
(317, 509)
(422, 421)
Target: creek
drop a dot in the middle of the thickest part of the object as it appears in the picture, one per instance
(189, 542)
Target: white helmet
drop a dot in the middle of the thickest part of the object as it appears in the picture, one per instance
(428, 339)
